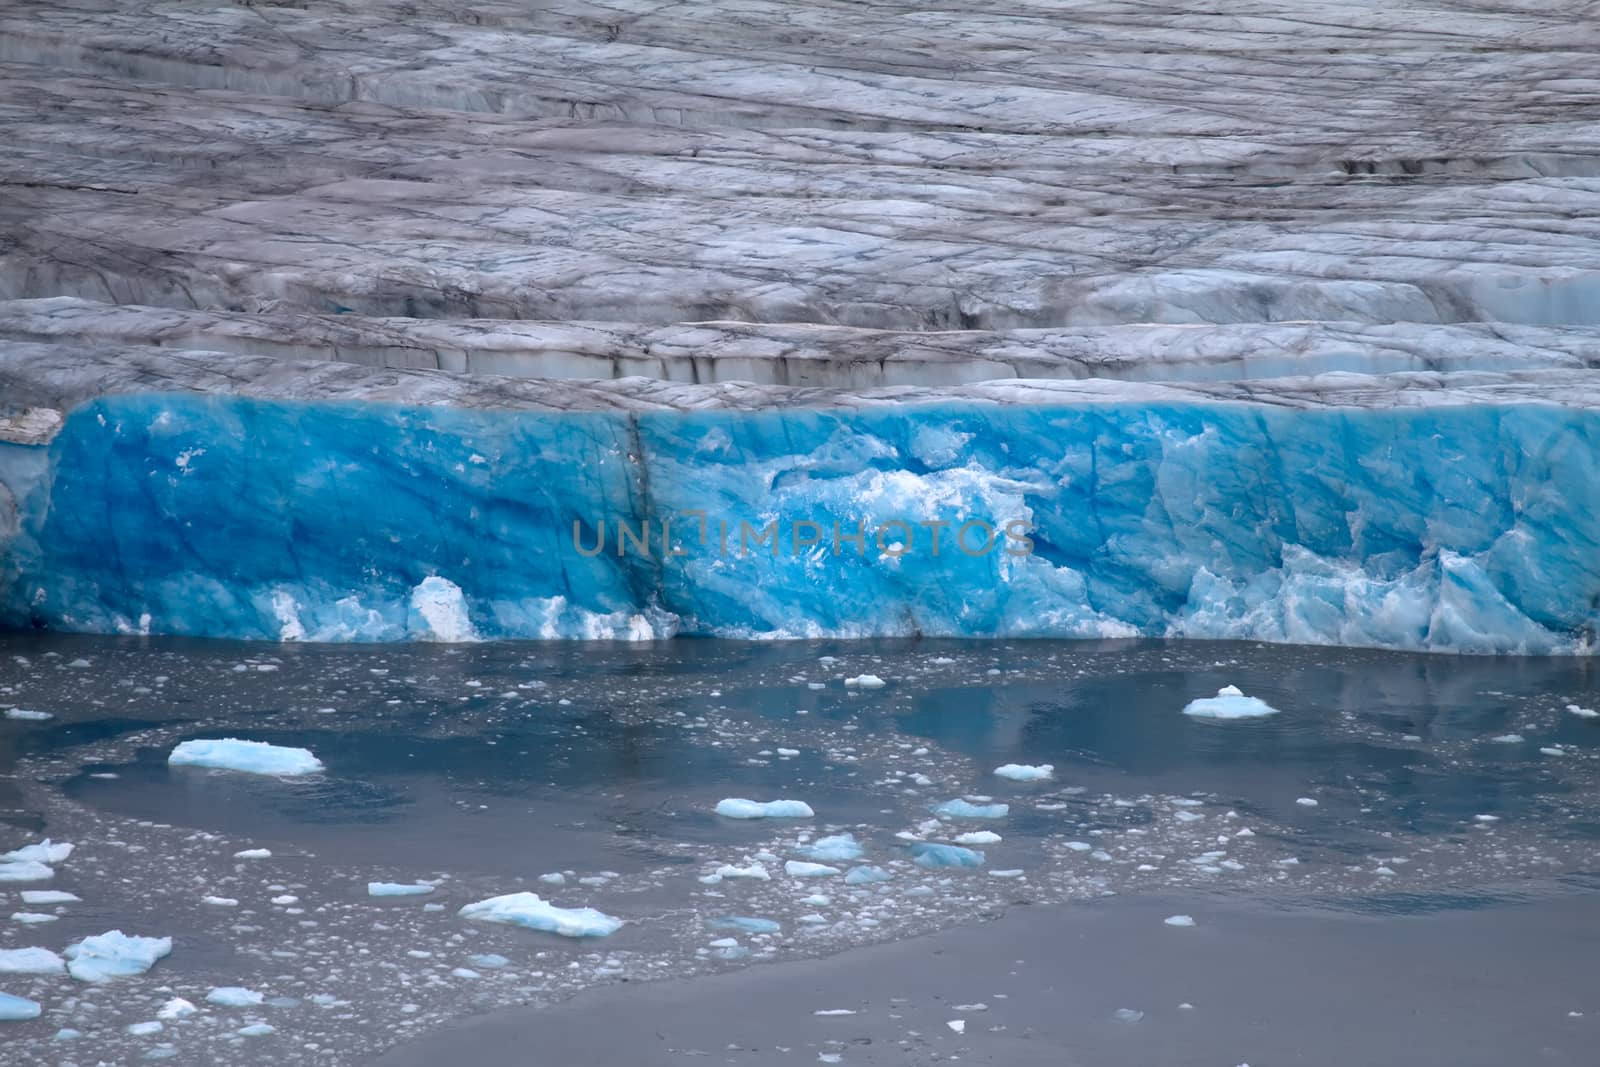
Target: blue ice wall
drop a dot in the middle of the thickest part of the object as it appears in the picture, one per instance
(1465, 528)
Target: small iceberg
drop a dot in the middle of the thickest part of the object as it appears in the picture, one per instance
(114, 954)
(979, 837)
(232, 996)
(963, 809)
(1229, 703)
(46, 851)
(866, 875)
(49, 896)
(16, 1009)
(24, 871)
(397, 889)
(1022, 772)
(928, 854)
(799, 869)
(531, 911)
(251, 757)
(864, 681)
(735, 808)
(176, 1008)
(838, 848)
(30, 961)
(1178, 920)
(745, 924)
(24, 715)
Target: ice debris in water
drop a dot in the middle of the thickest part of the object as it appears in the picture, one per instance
(1583, 713)
(836, 848)
(1229, 703)
(864, 875)
(1178, 920)
(928, 854)
(965, 809)
(176, 1008)
(254, 854)
(32, 917)
(531, 911)
(735, 808)
(24, 871)
(114, 954)
(745, 924)
(24, 715)
(397, 889)
(30, 961)
(979, 837)
(255, 1030)
(251, 757)
(1022, 772)
(145, 1029)
(232, 996)
(864, 681)
(798, 869)
(490, 960)
(16, 1009)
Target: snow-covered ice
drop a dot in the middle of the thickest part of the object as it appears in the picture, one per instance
(864, 681)
(251, 757)
(531, 911)
(978, 837)
(735, 808)
(113, 954)
(1229, 703)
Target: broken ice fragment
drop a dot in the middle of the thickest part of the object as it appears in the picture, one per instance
(1021, 772)
(927, 854)
(1229, 703)
(735, 808)
(250, 757)
(964, 809)
(114, 954)
(531, 911)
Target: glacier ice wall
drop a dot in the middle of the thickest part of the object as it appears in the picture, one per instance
(1466, 528)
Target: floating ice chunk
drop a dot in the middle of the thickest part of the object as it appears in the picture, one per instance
(1014, 872)
(465, 972)
(32, 917)
(746, 924)
(1178, 920)
(25, 871)
(220, 902)
(553, 878)
(1487, 818)
(49, 896)
(799, 869)
(755, 870)
(67, 1034)
(735, 808)
(837, 848)
(531, 911)
(176, 1008)
(1079, 846)
(1508, 739)
(30, 961)
(114, 954)
(1127, 1015)
(864, 681)
(254, 854)
(232, 996)
(1022, 772)
(256, 1030)
(958, 1025)
(865, 875)
(1306, 802)
(251, 757)
(1229, 703)
(1583, 713)
(978, 837)
(491, 960)
(145, 1029)
(24, 715)
(16, 1009)
(397, 889)
(965, 809)
(928, 854)
(1553, 750)
(834, 1011)
(46, 851)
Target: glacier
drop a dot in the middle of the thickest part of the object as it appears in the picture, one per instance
(470, 323)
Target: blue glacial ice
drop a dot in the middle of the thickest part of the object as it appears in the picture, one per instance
(1229, 703)
(865, 875)
(398, 889)
(1390, 519)
(114, 954)
(735, 808)
(18, 1009)
(835, 848)
(232, 996)
(251, 757)
(965, 809)
(929, 854)
(802, 869)
(531, 911)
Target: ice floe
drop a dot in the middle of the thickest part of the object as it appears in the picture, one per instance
(1022, 772)
(114, 954)
(801, 869)
(1229, 703)
(965, 809)
(49, 896)
(30, 961)
(232, 996)
(250, 757)
(736, 808)
(928, 854)
(17, 1009)
(532, 911)
(25, 715)
(398, 889)
(835, 848)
